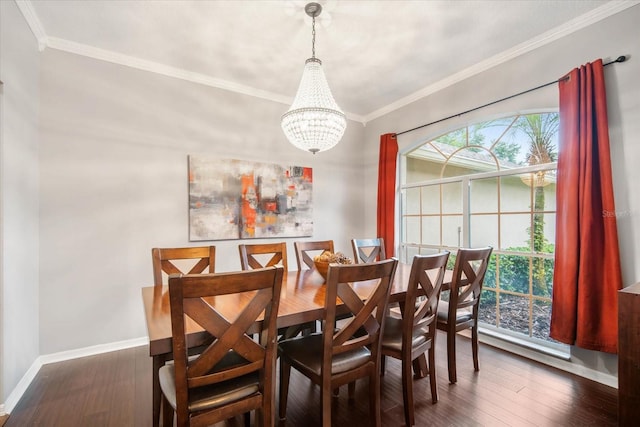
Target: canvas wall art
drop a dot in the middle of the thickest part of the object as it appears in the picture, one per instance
(237, 199)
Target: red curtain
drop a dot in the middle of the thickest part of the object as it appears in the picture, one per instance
(387, 190)
(587, 271)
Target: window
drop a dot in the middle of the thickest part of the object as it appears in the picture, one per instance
(490, 183)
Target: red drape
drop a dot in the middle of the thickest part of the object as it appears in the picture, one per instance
(387, 190)
(587, 271)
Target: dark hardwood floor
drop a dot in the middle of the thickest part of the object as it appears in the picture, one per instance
(114, 389)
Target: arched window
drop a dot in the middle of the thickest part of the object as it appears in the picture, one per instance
(490, 183)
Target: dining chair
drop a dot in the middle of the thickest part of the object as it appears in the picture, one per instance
(368, 250)
(167, 261)
(461, 311)
(202, 259)
(340, 354)
(263, 255)
(267, 255)
(234, 374)
(305, 251)
(411, 336)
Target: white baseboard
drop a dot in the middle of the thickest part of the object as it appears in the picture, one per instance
(21, 387)
(16, 394)
(550, 360)
(93, 350)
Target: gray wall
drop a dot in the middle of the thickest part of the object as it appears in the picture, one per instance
(19, 70)
(113, 184)
(606, 39)
(105, 179)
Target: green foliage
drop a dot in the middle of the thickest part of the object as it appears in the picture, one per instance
(507, 151)
(514, 272)
(461, 138)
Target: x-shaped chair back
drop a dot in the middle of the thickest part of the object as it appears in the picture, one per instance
(263, 255)
(368, 250)
(303, 249)
(364, 327)
(189, 298)
(468, 276)
(419, 315)
(165, 259)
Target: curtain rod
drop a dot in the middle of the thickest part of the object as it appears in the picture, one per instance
(618, 59)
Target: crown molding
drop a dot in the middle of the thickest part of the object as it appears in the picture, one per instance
(569, 27)
(26, 8)
(166, 70)
(589, 18)
(158, 68)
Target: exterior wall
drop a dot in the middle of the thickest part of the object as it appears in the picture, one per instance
(607, 39)
(19, 325)
(514, 196)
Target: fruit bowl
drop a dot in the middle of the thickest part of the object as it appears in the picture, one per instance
(323, 260)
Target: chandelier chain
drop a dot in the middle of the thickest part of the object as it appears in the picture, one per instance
(313, 36)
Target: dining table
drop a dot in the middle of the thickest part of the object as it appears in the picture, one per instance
(302, 300)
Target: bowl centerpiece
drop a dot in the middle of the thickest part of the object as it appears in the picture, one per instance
(323, 260)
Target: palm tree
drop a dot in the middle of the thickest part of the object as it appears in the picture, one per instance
(541, 130)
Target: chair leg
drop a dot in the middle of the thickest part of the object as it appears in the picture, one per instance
(167, 413)
(407, 392)
(420, 369)
(247, 419)
(432, 374)
(352, 390)
(325, 404)
(374, 398)
(285, 373)
(158, 362)
(474, 347)
(451, 356)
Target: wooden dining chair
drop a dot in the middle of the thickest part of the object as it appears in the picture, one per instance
(234, 374)
(263, 255)
(368, 250)
(411, 336)
(169, 261)
(267, 255)
(305, 251)
(343, 353)
(461, 311)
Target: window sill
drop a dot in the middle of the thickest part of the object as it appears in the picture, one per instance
(497, 338)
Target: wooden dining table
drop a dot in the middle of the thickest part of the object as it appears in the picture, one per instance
(302, 300)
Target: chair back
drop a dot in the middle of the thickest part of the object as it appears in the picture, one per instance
(232, 353)
(368, 250)
(468, 277)
(305, 251)
(365, 326)
(419, 315)
(263, 255)
(168, 261)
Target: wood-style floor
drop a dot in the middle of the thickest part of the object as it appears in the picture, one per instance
(114, 389)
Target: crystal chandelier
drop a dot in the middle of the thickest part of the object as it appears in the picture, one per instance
(314, 121)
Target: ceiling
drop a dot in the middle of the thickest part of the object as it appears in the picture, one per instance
(377, 55)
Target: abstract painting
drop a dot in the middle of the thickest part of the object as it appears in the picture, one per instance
(237, 199)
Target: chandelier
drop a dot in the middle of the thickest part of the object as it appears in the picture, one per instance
(314, 121)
